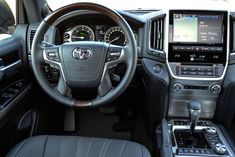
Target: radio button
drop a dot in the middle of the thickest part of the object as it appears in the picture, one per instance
(176, 48)
(205, 48)
(193, 69)
(193, 73)
(201, 73)
(188, 48)
(219, 49)
(185, 69)
(184, 73)
(182, 48)
(209, 73)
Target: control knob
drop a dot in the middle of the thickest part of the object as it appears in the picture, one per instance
(220, 149)
(177, 87)
(215, 89)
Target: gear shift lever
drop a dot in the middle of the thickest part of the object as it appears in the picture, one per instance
(194, 109)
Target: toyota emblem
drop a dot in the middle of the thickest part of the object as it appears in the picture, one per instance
(81, 53)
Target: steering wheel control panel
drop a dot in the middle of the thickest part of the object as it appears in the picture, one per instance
(207, 140)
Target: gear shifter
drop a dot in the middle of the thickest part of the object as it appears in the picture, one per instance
(194, 109)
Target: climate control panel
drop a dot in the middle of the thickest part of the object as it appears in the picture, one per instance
(196, 71)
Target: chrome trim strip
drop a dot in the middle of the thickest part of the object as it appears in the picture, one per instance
(4, 68)
(110, 64)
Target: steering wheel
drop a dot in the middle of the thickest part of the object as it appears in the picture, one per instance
(84, 64)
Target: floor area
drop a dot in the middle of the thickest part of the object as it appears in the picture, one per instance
(93, 123)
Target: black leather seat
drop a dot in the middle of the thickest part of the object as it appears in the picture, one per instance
(73, 146)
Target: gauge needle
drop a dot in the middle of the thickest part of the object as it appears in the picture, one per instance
(82, 38)
(114, 40)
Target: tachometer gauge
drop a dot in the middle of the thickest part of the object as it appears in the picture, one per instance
(82, 33)
(115, 36)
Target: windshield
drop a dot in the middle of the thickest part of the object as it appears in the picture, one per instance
(152, 4)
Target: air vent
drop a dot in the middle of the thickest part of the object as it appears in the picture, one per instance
(32, 34)
(156, 38)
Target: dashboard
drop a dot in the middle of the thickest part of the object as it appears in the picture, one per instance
(183, 55)
(187, 50)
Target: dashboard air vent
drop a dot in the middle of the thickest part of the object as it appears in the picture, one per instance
(156, 36)
(32, 34)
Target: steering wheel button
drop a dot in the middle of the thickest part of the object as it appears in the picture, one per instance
(115, 54)
(51, 54)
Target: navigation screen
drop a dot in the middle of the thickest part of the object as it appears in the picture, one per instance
(197, 28)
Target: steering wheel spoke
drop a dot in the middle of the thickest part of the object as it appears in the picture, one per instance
(105, 84)
(63, 88)
(115, 56)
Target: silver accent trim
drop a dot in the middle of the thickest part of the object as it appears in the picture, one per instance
(166, 41)
(4, 68)
(111, 64)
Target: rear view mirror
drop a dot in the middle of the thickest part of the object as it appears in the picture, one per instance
(6, 15)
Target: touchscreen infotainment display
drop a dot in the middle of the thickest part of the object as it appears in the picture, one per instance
(197, 28)
(197, 36)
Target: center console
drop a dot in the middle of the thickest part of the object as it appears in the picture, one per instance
(193, 137)
(207, 140)
(197, 59)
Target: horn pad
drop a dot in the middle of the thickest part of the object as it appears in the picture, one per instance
(83, 63)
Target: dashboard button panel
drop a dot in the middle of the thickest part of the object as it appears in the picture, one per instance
(197, 71)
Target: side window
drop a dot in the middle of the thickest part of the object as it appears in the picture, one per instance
(7, 20)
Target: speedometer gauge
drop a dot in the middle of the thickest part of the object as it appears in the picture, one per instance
(115, 36)
(82, 33)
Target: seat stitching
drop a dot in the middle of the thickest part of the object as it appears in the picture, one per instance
(21, 147)
(78, 144)
(141, 150)
(91, 141)
(107, 148)
(123, 147)
(45, 146)
(61, 146)
(102, 149)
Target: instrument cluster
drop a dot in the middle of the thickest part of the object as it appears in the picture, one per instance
(104, 33)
